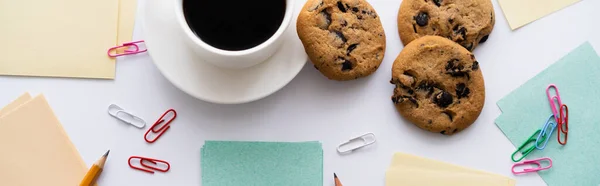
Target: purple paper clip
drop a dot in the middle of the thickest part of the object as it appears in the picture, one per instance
(130, 48)
(537, 165)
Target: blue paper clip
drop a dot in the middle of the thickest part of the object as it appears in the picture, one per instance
(546, 132)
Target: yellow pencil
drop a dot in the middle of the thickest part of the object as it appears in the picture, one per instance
(94, 172)
(337, 180)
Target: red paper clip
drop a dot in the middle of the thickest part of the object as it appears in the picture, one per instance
(563, 121)
(147, 168)
(163, 128)
(127, 51)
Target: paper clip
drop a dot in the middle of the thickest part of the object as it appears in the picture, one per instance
(551, 99)
(124, 116)
(365, 139)
(526, 152)
(147, 168)
(563, 124)
(536, 162)
(126, 49)
(163, 128)
(546, 132)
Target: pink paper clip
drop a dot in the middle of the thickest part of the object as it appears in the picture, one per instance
(537, 165)
(551, 100)
(128, 49)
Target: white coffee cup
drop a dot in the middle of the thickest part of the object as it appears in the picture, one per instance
(235, 59)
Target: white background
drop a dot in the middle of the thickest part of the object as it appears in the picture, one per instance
(309, 108)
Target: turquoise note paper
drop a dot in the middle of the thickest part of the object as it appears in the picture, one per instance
(233, 163)
(525, 110)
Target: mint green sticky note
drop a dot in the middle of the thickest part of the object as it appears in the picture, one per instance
(233, 163)
(526, 109)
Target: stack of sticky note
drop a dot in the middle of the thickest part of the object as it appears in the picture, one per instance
(409, 170)
(35, 148)
(526, 109)
(233, 163)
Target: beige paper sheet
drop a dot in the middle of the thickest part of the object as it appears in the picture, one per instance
(522, 12)
(14, 104)
(36, 149)
(63, 38)
(405, 164)
(127, 12)
(419, 177)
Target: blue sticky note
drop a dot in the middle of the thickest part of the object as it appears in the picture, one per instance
(234, 163)
(526, 109)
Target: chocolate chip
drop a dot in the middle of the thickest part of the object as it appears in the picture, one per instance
(443, 132)
(354, 9)
(437, 2)
(359, 16)
(450, 20)
(469, 47)
(351, 48)
(415, 28)
(327, 17)
(425, 85)
(443, 99)
(484, 38)
(414, 101)
(422, 19)
(454, 68)
(344, 23)
(411, 92)
(475, 65)
(341, 6)
(462, 90)
(340, 35)
(450, 114)
(430, 122)
(347, 65)
(462, 31)
(394, 81)
(395, 99)
(364, 12)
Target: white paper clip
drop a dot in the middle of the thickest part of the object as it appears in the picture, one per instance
(364, 140)
(119, 113)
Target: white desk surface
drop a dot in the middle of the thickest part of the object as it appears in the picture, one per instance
(309, 108)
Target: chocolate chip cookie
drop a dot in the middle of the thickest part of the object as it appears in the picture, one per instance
(344, 39)
(466, 22)
(439, 86)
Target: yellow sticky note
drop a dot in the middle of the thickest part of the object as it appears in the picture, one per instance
(36, 149)
(58, 38)
(402, 162)
(16, 103)
(522, 12)
(420, 177)
(127, 11)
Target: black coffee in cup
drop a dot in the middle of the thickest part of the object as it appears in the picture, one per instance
(234, 24)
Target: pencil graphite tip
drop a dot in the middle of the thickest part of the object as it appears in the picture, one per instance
(106, 154)
(334, 175)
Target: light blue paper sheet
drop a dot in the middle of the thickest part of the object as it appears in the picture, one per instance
(525, 110)
(231, 163)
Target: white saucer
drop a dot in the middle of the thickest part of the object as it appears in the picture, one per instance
(187, 71)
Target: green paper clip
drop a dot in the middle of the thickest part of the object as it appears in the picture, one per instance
(531, 139)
